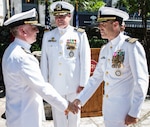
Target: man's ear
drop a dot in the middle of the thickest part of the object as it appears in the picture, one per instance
(115, 23)
(21, 30)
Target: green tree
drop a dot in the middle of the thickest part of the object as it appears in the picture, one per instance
(88, 5)
(83, 5)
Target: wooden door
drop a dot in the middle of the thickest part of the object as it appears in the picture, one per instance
(94, 105)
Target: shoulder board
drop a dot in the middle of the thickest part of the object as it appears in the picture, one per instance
(131, 40)
(79, 30)
(26, 51)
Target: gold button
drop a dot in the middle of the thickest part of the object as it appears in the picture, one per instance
(60, 63)
(106, 72)
(108, 59)
(60, 53)
(60, 42)
(111, 47)
(107, 83)
(60, 74)
(106, 95)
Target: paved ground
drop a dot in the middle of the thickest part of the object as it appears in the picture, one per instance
(92, 121)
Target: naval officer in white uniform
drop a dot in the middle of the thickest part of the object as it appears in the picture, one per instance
(22, 76)
(65, 60)
(123, 67)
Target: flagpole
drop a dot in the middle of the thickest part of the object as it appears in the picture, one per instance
(77, 18)
(77, 5)
(8, 9)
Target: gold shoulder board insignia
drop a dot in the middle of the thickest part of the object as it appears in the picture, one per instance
(79, 30)
(131, 40)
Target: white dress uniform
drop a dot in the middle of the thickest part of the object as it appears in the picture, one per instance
(125, 87)
(25, 86)
(65, 63)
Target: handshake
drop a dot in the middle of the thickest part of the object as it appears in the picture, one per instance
(73, 107)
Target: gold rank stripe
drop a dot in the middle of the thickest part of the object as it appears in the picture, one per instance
(105, 18)
(59, 12)
(31, 22)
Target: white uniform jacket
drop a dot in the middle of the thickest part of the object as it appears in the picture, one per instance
(125, 87)
(65, 60)
(25, 86)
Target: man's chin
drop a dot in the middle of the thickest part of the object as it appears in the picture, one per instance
(62, 26)
(103, 37)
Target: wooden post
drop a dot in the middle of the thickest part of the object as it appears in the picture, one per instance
(94, 105)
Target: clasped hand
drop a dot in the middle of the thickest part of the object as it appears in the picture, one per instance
(130, 120)
(73, 107)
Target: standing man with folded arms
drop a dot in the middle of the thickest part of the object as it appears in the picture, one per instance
(65, 60)
(123, 67)
(22, 76)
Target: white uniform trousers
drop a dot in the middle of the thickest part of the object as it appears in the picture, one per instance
(62, 120)
(114, 124)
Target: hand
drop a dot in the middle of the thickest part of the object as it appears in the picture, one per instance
(73, 108)
(76, 102)
(130, 120)
(79, 89)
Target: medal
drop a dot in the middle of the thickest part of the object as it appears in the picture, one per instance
(71, 45)
(71, 53)
(117, 61)
(118, 72)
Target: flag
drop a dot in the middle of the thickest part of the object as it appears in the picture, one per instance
(47, 17)
(13, 10)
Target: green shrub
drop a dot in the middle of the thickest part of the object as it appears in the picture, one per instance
(96, 42)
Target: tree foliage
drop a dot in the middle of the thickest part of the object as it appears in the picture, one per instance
(83, 5)
(88, 5)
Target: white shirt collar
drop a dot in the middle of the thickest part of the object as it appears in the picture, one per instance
(116, 40)
(22, 43)
(63, 30)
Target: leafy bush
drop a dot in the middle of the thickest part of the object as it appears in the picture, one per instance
(96, 42)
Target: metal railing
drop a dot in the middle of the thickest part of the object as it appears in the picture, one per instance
(136, 22)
